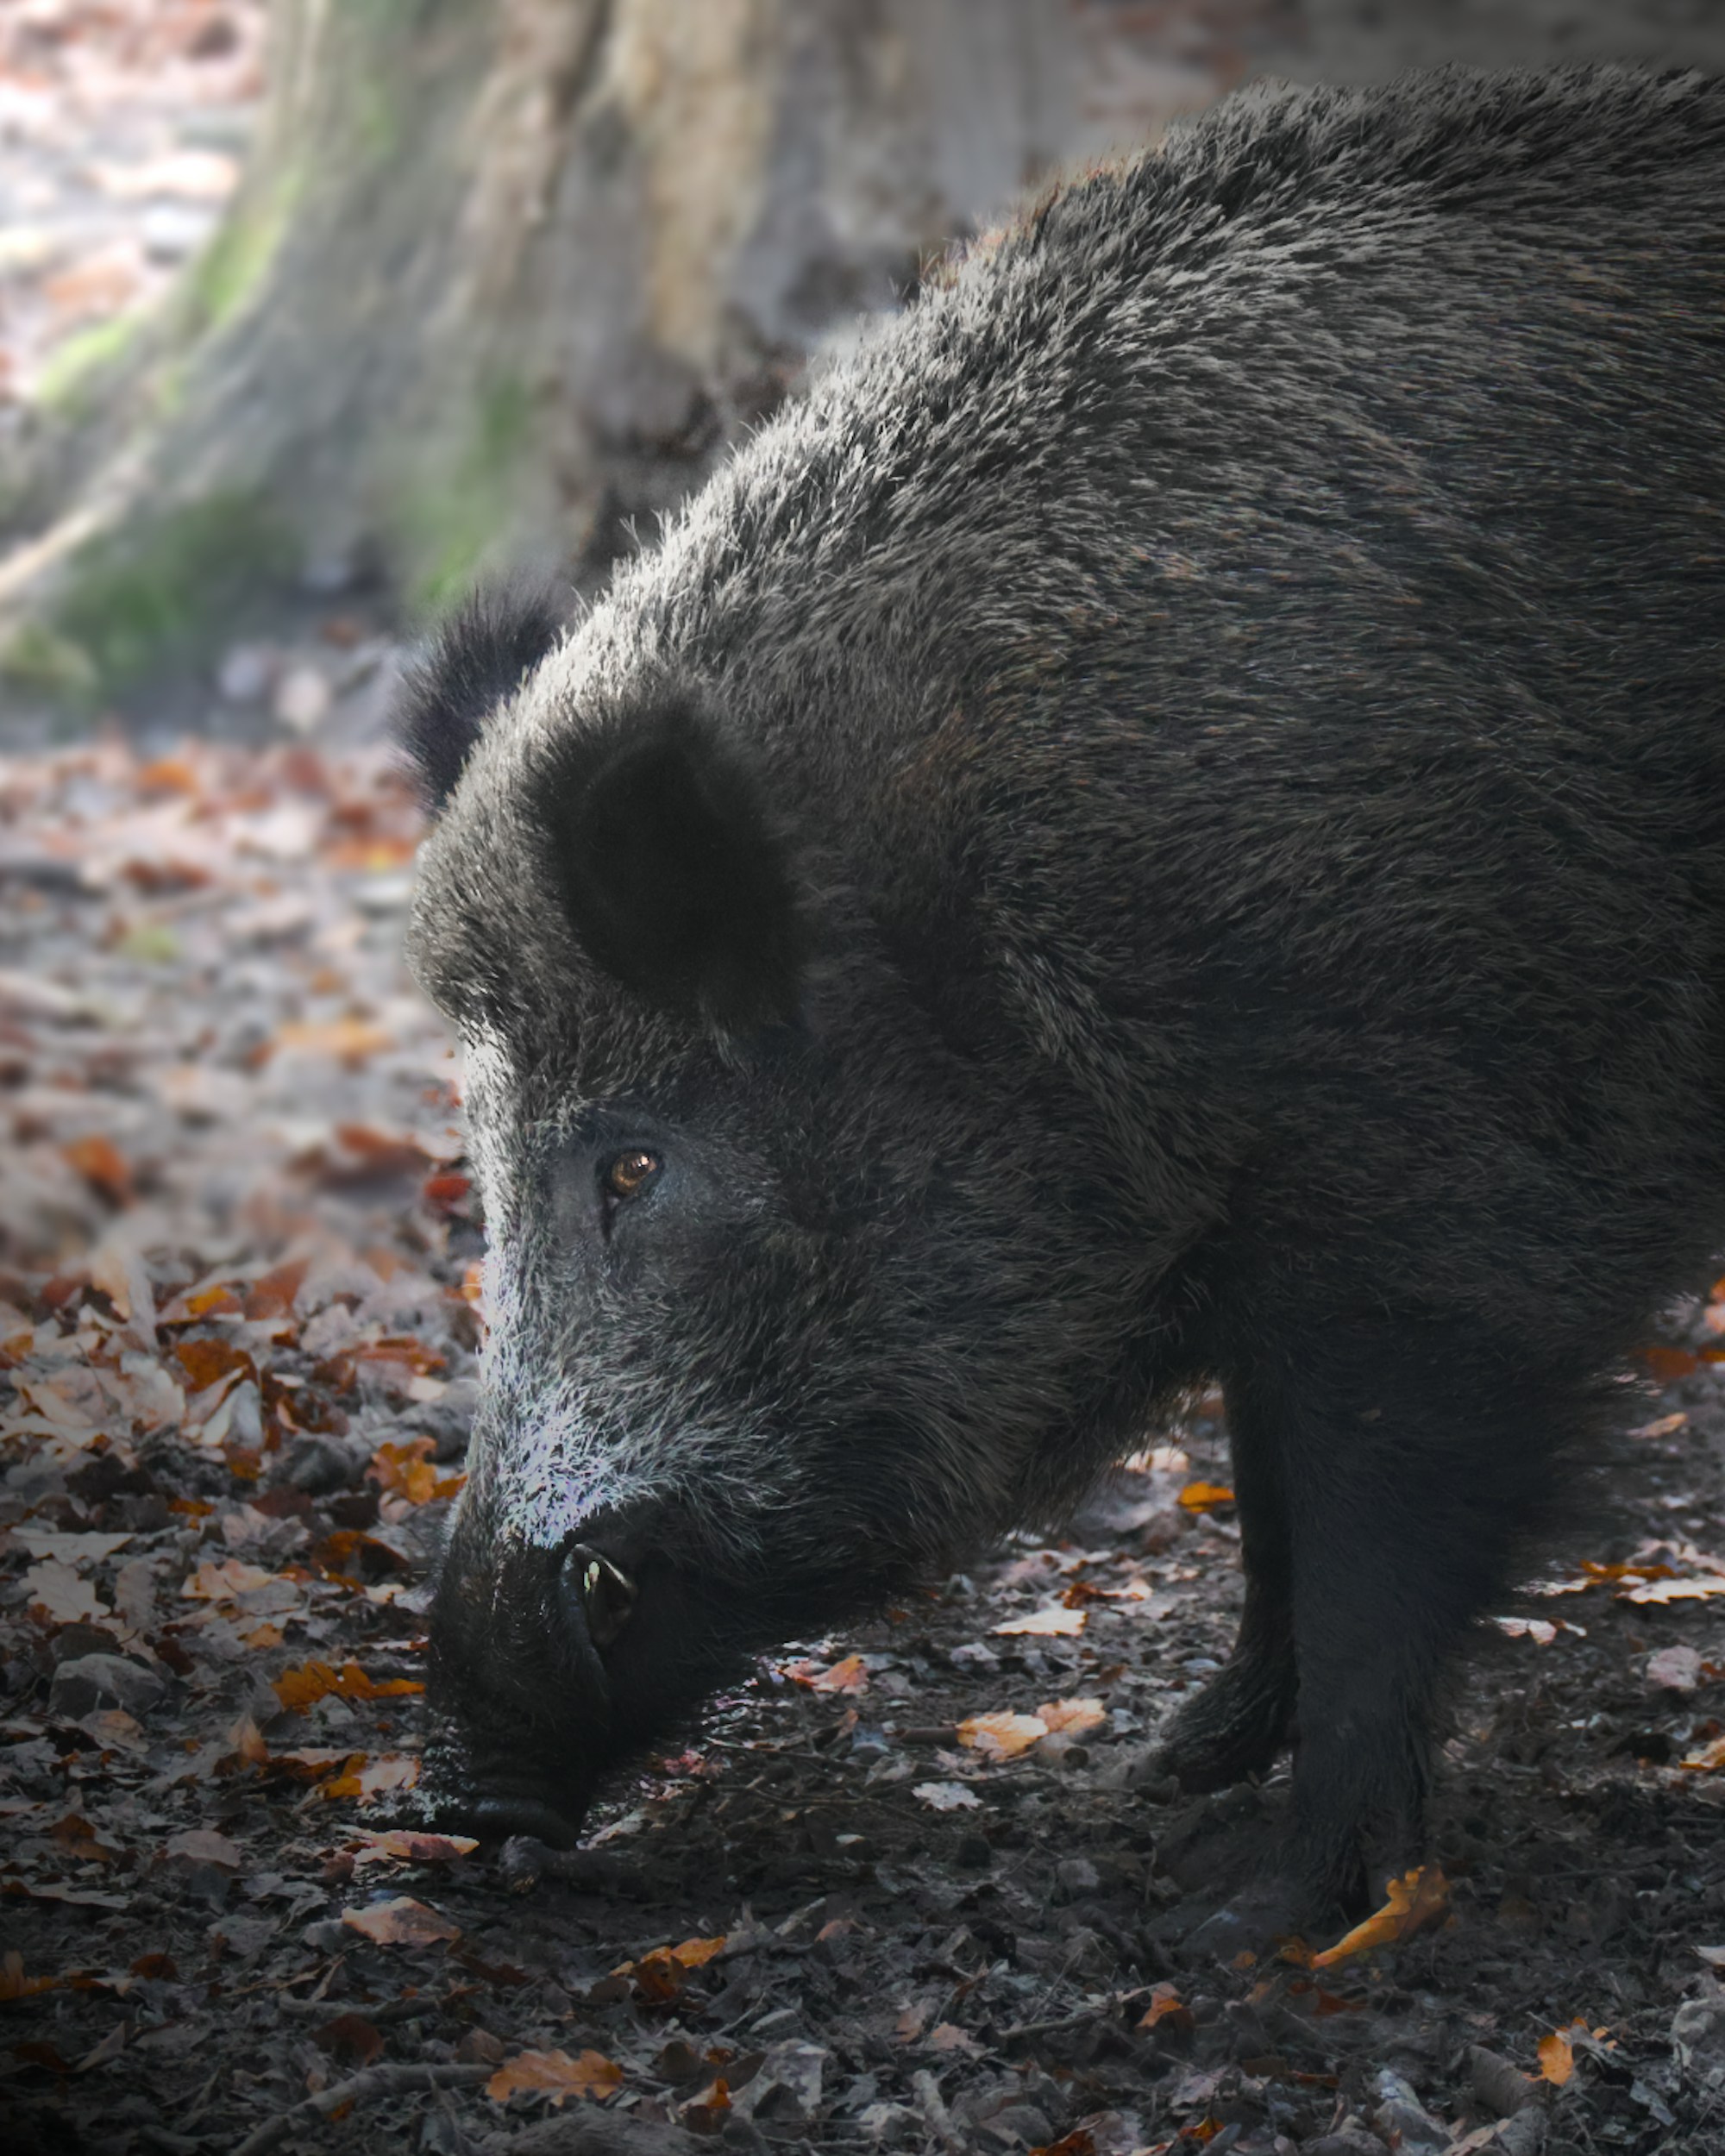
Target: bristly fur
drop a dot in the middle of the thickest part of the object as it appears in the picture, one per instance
(672, 875)
(475, 661)
(1237, 669)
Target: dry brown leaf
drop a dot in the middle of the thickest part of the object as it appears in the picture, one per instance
(202, 1844)
(56, 1596)
(102, 1164)
(349, 1040)
(662, 1973)
(1001, 1736)
(272, 1294)
(1556, 2051)
(1073, 1717)
(1416, 1901)
(374, 1778)
(851, 1674)
(1201, 1496)
(402, 1922)
(226, 1581)
(556, 2075)
(400, 1845)
(406, 1470)
(1167, 2005)
(15, 1984)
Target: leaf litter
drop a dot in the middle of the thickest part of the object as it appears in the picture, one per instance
(918, 1887)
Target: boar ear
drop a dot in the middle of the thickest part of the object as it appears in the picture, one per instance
(672, 875)
(475, 661)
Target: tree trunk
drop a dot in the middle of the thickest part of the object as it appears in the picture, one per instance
(503, 279)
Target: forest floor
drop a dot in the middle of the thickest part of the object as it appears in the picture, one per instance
(916, 1889)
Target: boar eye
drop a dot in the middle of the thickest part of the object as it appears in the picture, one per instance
(631, 1172)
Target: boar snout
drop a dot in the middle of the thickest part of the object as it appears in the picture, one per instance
(548, 1666)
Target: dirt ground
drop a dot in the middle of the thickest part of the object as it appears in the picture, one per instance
(916, 1889)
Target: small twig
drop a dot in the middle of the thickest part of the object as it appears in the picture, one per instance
(927, 2093)
(325, 2009)
(361, 2088)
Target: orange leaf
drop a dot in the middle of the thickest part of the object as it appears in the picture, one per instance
(361, 1784)
(1055, 1622)
(1668, 1363)
(1557, 2053)
(206, 1362)
(349, 1040)
(555, 2074)
(102, 1164)
(1073, 1717)
(1166, 2005)
(1416, 1901)
(301, 1688)
(850, 1674)
(1002, 1736)
(400, 1845)
(406, 1470)
(402, 1922)
(224, 1581)
(446, 1190)
(662, 1973)
(15, 1984)
(1199, 1497)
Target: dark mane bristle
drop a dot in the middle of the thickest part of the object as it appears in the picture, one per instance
(474, 660)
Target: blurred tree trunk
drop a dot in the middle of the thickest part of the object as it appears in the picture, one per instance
(503, 276)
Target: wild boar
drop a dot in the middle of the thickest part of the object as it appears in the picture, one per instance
(1165, 822)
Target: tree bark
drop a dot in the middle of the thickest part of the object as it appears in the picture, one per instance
(503, 279)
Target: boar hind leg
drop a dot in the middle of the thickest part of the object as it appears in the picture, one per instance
(1240, 1722)
(1414, 1455)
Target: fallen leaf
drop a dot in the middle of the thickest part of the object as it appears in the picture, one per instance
(400, 1845)
(1057, 1621)
(1073, 1717)
(1167, 2005)
(226, 1581)
(202, 1844)
(1708, 1759)
(298, 1689)
(556, 2075)
(272, 1294)
(347, 1040)
(374, 1778)
(662, 1973)
(1662, 1591)
(1416, 1901)
(15, 1984)
(1201, 1496)
(102, 1165)
(851, 1674)
(406, 1470)
(1001, 1736)
(56, 1594)
(946, 1797)
(402, 1922)
(351, 2039)
(1557, 2052)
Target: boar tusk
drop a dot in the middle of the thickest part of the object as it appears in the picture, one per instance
(608, 1596)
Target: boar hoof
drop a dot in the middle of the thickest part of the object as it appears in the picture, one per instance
(501, 1818)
